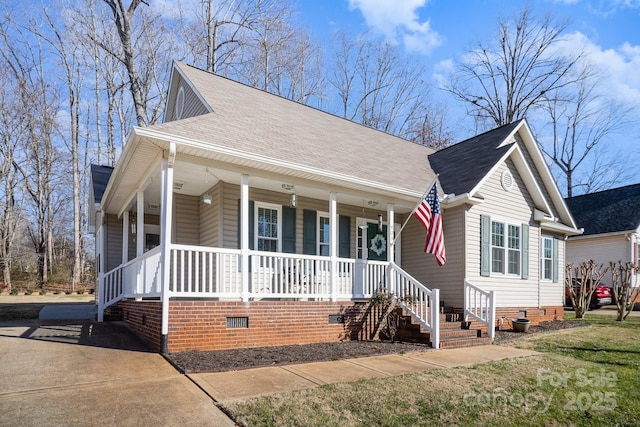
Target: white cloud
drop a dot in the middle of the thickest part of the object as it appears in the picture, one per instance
(399, 20)
(441, 71)
(618, 68)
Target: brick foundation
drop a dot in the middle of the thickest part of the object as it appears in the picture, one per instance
(202, 325)
(145, 319)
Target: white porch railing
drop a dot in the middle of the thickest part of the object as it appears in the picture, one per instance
(480, 305)
(423, 303)
(204, 272)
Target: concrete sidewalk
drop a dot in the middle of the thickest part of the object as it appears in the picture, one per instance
(234, 385)
(93, 374)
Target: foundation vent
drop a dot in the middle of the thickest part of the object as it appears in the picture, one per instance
(237, 322)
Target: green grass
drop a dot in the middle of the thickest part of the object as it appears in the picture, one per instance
(584, 377)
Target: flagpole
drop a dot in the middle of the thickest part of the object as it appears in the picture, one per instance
(435, 179)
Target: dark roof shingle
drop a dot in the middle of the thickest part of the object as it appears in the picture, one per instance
(100, 178)
(463, 165)
(607, 211)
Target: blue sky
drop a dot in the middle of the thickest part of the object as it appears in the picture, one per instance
(438, 31)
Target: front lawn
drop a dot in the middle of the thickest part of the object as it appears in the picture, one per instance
(584, 376)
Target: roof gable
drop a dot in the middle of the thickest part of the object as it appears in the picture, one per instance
(607, 211)
(461, 167)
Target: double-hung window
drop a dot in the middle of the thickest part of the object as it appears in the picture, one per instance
(547, 258)
(324, 233)
(268, 228)
(506, 251)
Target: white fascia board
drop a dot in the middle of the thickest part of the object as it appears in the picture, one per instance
(552, 225)
(530, 180)
(597, 236)
(187, 142)
(460, 199)
(193, 89)
(123, 161)
(492, 171)
(545, 173)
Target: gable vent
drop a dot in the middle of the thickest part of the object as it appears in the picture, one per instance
(179, 108)
(507, 180)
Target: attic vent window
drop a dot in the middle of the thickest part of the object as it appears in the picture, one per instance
(507, 180)
(179, 108)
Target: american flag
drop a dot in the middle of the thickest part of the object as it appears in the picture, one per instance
(428, 213)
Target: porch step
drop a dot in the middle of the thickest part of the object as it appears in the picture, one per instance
(463, 342)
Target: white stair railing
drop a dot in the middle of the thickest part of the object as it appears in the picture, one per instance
(418, 300)
(481, 306)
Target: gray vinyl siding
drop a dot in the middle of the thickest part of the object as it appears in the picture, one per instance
(514, 207)
(450, 277)
(210, 218)
(231, 195)
(186, 219)
(600, 249)
(193, 106)
(113, 242)
(552, 293)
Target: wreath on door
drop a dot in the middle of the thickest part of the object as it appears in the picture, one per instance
(379, 244)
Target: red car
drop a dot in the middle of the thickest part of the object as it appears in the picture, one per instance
(601, 296)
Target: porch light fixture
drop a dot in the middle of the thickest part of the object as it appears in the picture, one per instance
(380, 222)
(206, 199)
(293, 197)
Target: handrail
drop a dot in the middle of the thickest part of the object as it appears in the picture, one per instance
(421, 302)
(480, 305)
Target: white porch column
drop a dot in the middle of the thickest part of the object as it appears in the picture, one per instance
(140, 222)
(333, 244)
(244, 234)
(125, 237)
(166, 211)
(391, 247)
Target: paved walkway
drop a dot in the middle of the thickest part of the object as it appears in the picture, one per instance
(229, 386)
(90, 374)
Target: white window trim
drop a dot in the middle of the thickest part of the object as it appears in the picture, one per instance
(542, 259)
(256, 237)
(505, 249)
(320, 215)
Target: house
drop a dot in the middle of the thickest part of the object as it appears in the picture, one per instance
(247, 220)
(611, 222)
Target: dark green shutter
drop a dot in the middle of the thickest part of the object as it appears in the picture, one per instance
(288, 230)
(251, 224)
(309, 232)
(485, 245)
(525, 251)
(344, 237)
(555, 260)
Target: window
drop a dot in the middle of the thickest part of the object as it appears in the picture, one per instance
(324, 233)
(547, 258)
(505, 248)
(268, 228)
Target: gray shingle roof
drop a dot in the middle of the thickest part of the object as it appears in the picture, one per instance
(607, 211)
(463, 165)
(257, 122)
(100, 178)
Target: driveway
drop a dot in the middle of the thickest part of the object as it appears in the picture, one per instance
(70, 373)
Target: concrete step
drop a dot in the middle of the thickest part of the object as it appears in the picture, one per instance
(463, 342)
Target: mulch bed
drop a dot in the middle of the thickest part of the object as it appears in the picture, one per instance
(231, 360)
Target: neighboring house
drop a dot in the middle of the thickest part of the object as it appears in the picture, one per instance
(248, 220)
(611, 222)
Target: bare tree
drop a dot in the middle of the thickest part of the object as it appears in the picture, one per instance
(11, 127)
(501, 80)
(24, 60)
(581, 123)
(432, 129)
(581, 282)
(377, 86)
(624, 293)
